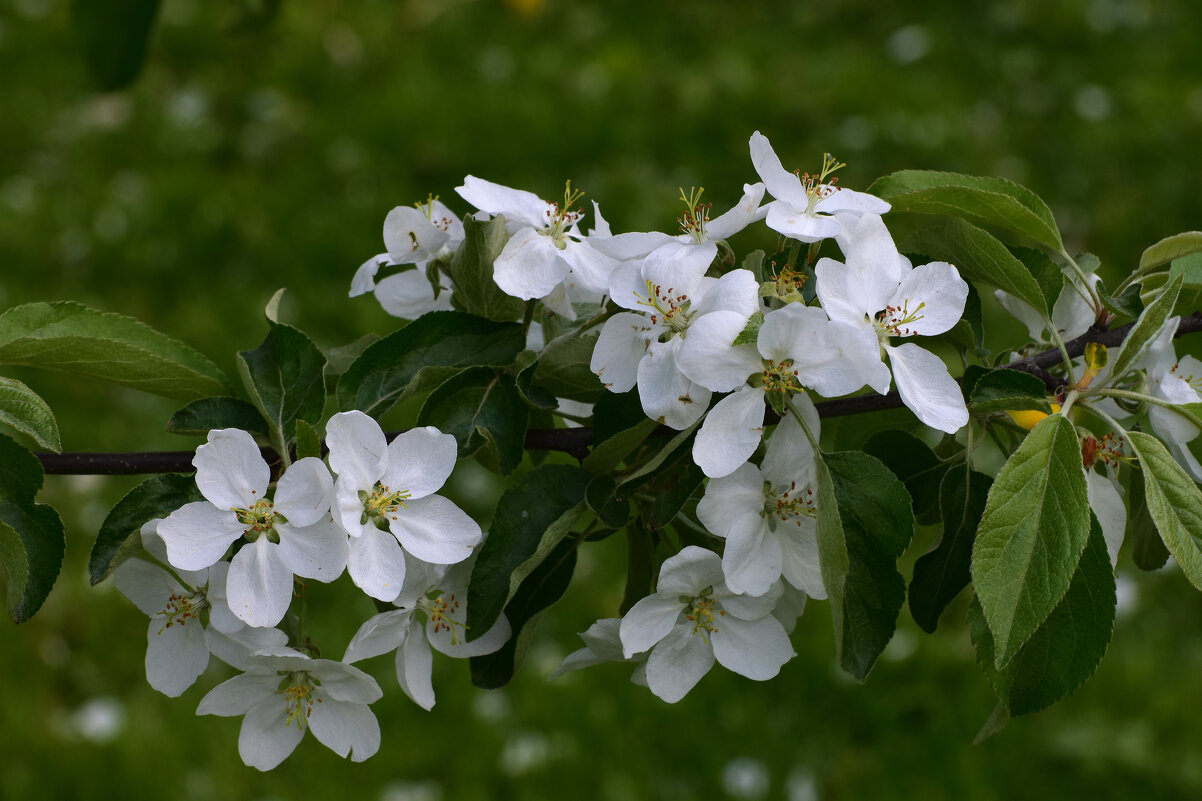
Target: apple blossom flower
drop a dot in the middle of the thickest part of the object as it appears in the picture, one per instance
(878, 290)
(285, 692)
(292, 534)
(804, 207)
(439, 594)
(383, 499)
(603, 643)
(414, 235)
(545, 248)
(1072, 313)
(668, 295)
(693, 619)
(766, 514)
(1175, 381)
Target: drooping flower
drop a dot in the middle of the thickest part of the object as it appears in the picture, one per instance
(432, 611)
(384, 499)
(285, 692)
(292, 534)
(694, 618)
(603, 643)
(1175, 381)
(767, 515)
(805, 207)
(878, 290)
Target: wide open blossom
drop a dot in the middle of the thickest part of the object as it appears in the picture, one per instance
(669, 296)
(384, 500)
(292, 534)
(805, 208)
(545, 248)
(878, 290)
(283, 693)
(414, 235)
(767, 515)
(797, 347)
(693, 619)
(432, 611)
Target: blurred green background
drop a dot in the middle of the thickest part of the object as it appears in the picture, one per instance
(262, 146)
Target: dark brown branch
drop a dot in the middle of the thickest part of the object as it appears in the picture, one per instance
(576, 441)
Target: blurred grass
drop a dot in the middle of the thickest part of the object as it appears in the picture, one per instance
(256, 154)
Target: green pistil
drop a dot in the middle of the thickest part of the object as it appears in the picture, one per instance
(696, 214)
(260, 520)
(561, 218)
(892, 320)
(381, 504)
(700, 611)
(299, 689)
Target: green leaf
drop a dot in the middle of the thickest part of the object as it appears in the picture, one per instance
(534, 396)
(1127, 304)
(673, 489)
(833, 557)
(610, 510)
(1032, 534)
(120, 534)
(21, 473)
(990, 201)
(204, 415)
(979, 256)
(912, 461)
(25, 411)
(308, 441)
(610, 453)
(751, 331)
(672, 450)
(32, 544)
(340, 358)
(480, 407)
(545, 585)
(1066, 649)
(943, 571)
(113, 36)
(563, 368)
(1170, 248)
(422, 355)
(1147, 548)
(877, 525)
(531, 519)
(74, 339)
(1003, 390)
(1145, 330)
(472, 271)
(1189, 268)
(284, 378)
(1045, 272)
(1174, 503)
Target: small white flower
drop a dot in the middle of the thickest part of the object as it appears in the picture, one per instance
(294, 534)
(603, 643)
(283, 693)
(693, 619)
(383, 498)
(1176, 381)
(439, 594)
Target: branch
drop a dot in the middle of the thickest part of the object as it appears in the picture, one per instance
(576, 441)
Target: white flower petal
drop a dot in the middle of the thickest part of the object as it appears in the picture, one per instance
(147, 585)
(939, 290)
(751, 560)
(349, 730)
(443, 639)
(1106, 501)
(730, 498)
(590, 267)
(518, 205)
(259, 587)
(753, 648)
(666, 394)
(365, 277)
(175, 656)
(236, 648)
(731, 433)
(408, 295)
(319, 551)
(230, 470)
(410, 237)
(745, 212)
(800, 564)
(198, 534)
(709, 357)
(236, 696)
(414, 666)
(304, 492)
(736, 291)
(678, 663)
(800, 225)
(927, 388)
(380, 634)
(419, 461)
(377, 564)
(358, 449)
(619, 349)
(789, 458)
(689, 572)
(529, 266)
(435, 530)
(265, 740)
(648, 622)
(781, 183)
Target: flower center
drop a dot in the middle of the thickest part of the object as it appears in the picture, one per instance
(816, 187)
(260, 520)
(427, 209)
(560, 219)
(381, 504)
(699, 610)
(1195, 382)
(668, 310)
(1108, 449)
(789, 506)
(696, 215)
(781, 377)
(300, 694)
(181, 608)
(893, 321)
(441, 610)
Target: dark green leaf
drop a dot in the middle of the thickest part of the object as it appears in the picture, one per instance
(32, 544)
(912, 461)
(1051, 281)
(616, 412)
(991, 201)
(284, 378)
(1127, 304)
(480, 407)
(610, 510)
(1066, 649)
(20, 473)
(25, 411)
(664, 458)
(203, 415)
(1173, 501)
(113, 36)
(942, 572)
(979, 256)
(1002, 390)
(308, 441)
(531, 519)
(536, 397)
(1032, 534)
(672, 491)
(610, 453)
(877, 524)
(1170, 248)
(563, 368)
(1145, 330)
(119, 535)
(545, 585)
(1147, 549)
(72, 338)
(472, 271)
(340, 358)
(422, 355)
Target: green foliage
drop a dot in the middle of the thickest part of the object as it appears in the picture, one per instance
(1001, 390)
(481, 408)
(1169, 249)
(1174, 502)
(1032, 533)
(563, 368)
(206, 414)
(471, 271)
(72, 338)
(1146, 329)
(25, 411)
(912, 461)
(32, 542)
(114, 35)
(284, 378)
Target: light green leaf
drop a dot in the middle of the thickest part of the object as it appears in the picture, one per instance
(989, 201)
(979, 256)
(472, 271)
(72, 338)
(1063, 652)
(1174, 502)
(1145, 330)
(24, 410)
(1190, 269)
(422, 355)
(1032, 534)
(1170, 248)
